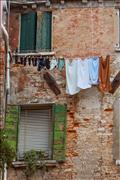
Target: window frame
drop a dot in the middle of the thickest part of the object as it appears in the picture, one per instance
(19, 39)
(35, 107)
(117, 24)
(59, 130)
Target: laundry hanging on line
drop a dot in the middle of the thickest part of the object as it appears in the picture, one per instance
(82, 74)
(41, 62)
(61, 63)
(71, 77)
(53, 63)
(104, 74)
(83, 79)
(93, 64)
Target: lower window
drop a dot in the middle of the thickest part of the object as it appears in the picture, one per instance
(41, 128)
(35, 131)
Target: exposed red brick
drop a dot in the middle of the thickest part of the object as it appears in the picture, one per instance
(108, 109)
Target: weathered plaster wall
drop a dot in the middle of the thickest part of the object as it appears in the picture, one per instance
(83, 32)
(76, 33)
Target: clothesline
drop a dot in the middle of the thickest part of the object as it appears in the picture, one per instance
(66, 56)
(79, 74)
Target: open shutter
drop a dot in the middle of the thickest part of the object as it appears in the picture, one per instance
(12, 118)
(43, 38)
(59, 132)
(28, 31)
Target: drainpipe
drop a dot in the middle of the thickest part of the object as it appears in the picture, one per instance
(6, 39)
(3, 30)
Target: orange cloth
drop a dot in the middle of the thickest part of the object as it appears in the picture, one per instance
(104, 74)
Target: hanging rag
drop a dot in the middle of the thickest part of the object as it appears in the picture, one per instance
(61, 63)
(33, 61)
(47, 63)
(53, 63)
(24, 61)
(35, 64)
(16, 59)
(41, 64)
(93, 70)
(104, 74)
(21, 60)
(29, 61)
(115, 83)
(52, 83)
(71, 77)
(83, 79)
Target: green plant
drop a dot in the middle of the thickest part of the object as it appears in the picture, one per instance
(7, 152)
(31, 159)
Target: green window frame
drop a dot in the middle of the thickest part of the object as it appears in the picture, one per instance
(36, 31)
(59, 119)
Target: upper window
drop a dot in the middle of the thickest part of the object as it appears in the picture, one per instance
(118, 30)
(35, 31)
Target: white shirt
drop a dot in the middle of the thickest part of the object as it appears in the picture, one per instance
(71, 77)
(53, 63)
(83, 78)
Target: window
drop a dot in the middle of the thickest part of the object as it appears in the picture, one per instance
(35, 31)
(41, 128)
(116, 131)
(35, 127)
(118, 30)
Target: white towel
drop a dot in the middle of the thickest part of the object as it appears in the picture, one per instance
(83, 78)
(71, 77)
(53, 63)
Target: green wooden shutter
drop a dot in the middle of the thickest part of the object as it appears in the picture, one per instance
(12, 118)
(28, 31)
(59, 132)
(43, 38)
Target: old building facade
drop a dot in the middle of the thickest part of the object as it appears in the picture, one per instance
(4, 46)
(78, 29)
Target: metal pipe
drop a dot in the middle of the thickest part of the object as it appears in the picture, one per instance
(2, 27)
(5, 171)
(6, 39)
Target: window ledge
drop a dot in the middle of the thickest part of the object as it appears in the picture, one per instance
(35, 54)
(117, 49)
(18, 164)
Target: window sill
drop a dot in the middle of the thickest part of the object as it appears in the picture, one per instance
(50, 163)
(117, 49)
(35, 54)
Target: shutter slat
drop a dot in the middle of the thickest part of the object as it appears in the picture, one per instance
(43, 38)
(28, 31)
(34, 131)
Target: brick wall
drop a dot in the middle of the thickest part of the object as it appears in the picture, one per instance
(76, 32)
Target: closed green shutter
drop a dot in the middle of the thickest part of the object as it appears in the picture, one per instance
(28, 32)
(59, 132)
(12, 118)
(43, 38)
